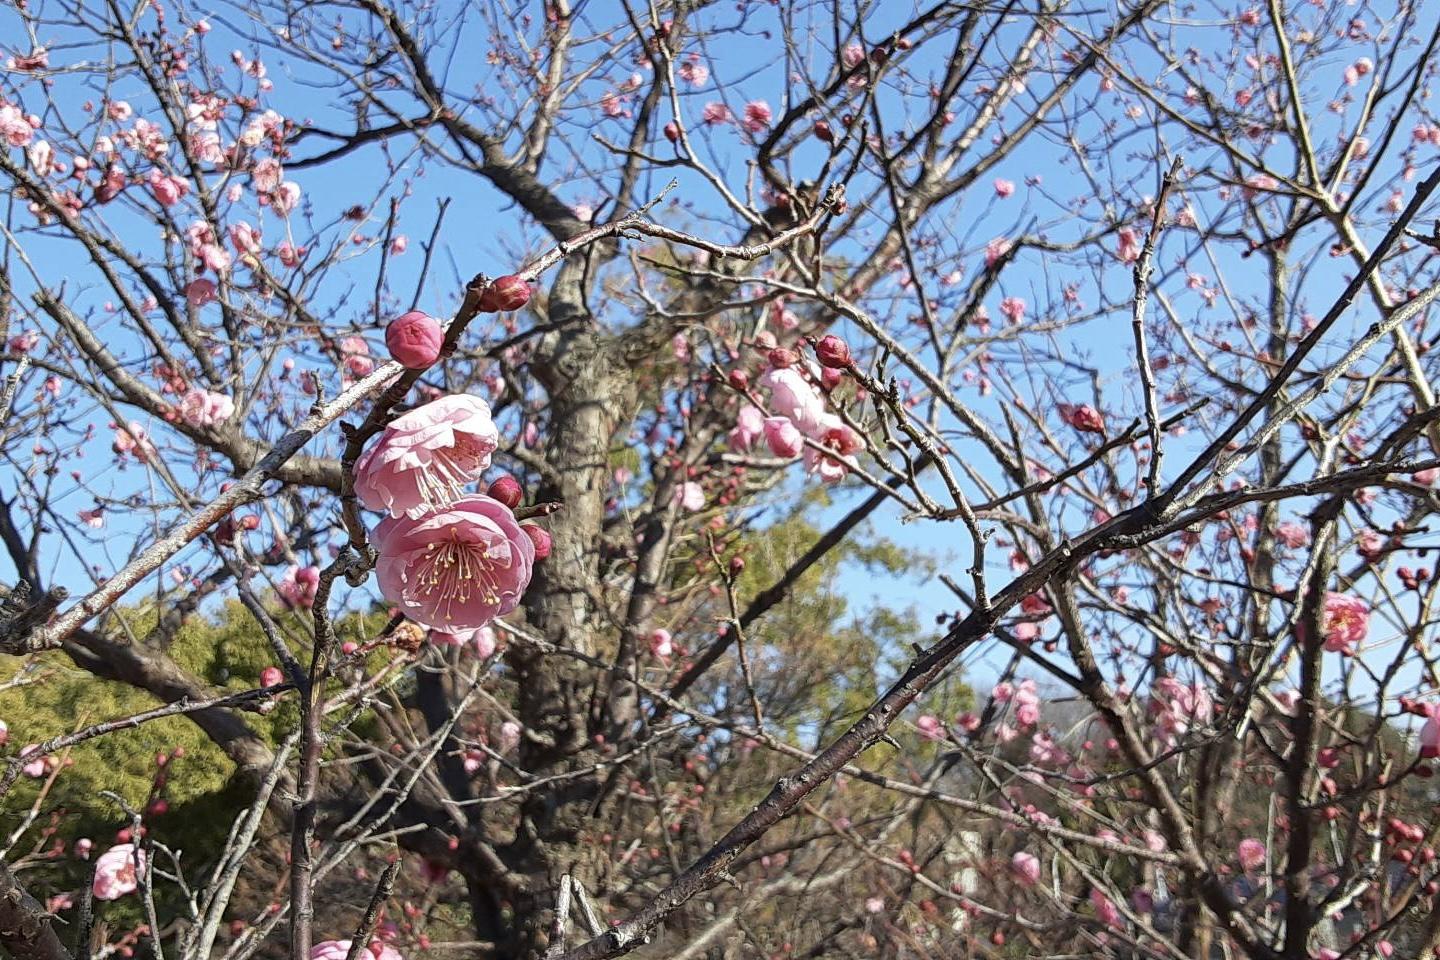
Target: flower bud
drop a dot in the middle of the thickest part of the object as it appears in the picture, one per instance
(271, 677)
(833, 352)
(539, 537)
(740, 380)
(507, 293)
(672, 132)
(823, 133)
(737, 566)
(414, 340)
(507, 490)
(782, 357)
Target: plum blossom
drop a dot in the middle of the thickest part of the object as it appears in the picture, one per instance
(690, 495)
(1082, 417)
(1251, 853)
(757, 116)
(1345, 622)
(661, 643)
(116, 872)
(168, 190)
(298, 586)
(425, 458)
(749, 427)
(1025, 867)
(340, 949)
(930, 727)
(457, 568)
(15, 127)
(200, 292)
(792, 396)
(1105, 909)
(694, 72)
(783, 437)
(1430, 739)
(202, 408)
(1291, 534)
(717, 113)
(1013, 308)
(1004, 188)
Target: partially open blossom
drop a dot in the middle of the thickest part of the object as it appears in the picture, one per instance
(1251, 853)
(271, 677)
(783, 438)
(200, 292)
(540, 538)
(661, 643)
(414, 339)
(1430, 739)
(1026, 868)
(1291, 534)
(1082, 417)
(1004, 188)
(167, 189)
(791, 395)
(457, 568)
(116, 872)
(298, 586)
(424, 459)
(1105, 910)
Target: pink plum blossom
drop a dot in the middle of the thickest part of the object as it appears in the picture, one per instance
(424, 458)
(116, 871)
(1345, 622)
(1025, 867)
(1251, 853)
(340, 949)
(757, 116)
(457, 568)
(298, 586)
(202, 408)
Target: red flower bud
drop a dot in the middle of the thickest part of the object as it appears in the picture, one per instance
(823, 133)
(414, 340)
(739, 379)
(508, 293)
(833, 352)
(672, 132)
(507, 490)
(539, 537)
(737, 566)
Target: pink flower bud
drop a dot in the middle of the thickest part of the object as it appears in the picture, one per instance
(672, 132)
(508, 293)
(782, 357)
(833, 352)
(823, 133)
(539, 537)
(507, 490)
(414, 339)
(271, 677)
(739, 379)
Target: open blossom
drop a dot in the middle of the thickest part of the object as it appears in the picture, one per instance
(930, 727)
(1026, 868)
(131, 439)
(757, 116)
(749, 427)
(716, 113)
(1346, 621)
(1013, 308)
(298, 586)
(1430, 739)
(1004, 188)
(690, 495)
(661, 643)
(267, 175)
(1291, 534)
(424, 459)
(457, 568)
(792, 396)
(783, 438)
(202, 408)
(116, 871)
(167, 189)
(200, 292)
(15, 127)
(1251, 853)
(340, 949)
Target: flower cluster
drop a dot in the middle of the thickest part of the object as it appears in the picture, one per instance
(450, 560)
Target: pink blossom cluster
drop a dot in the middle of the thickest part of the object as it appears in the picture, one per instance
(450, 560)
(800, 414)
